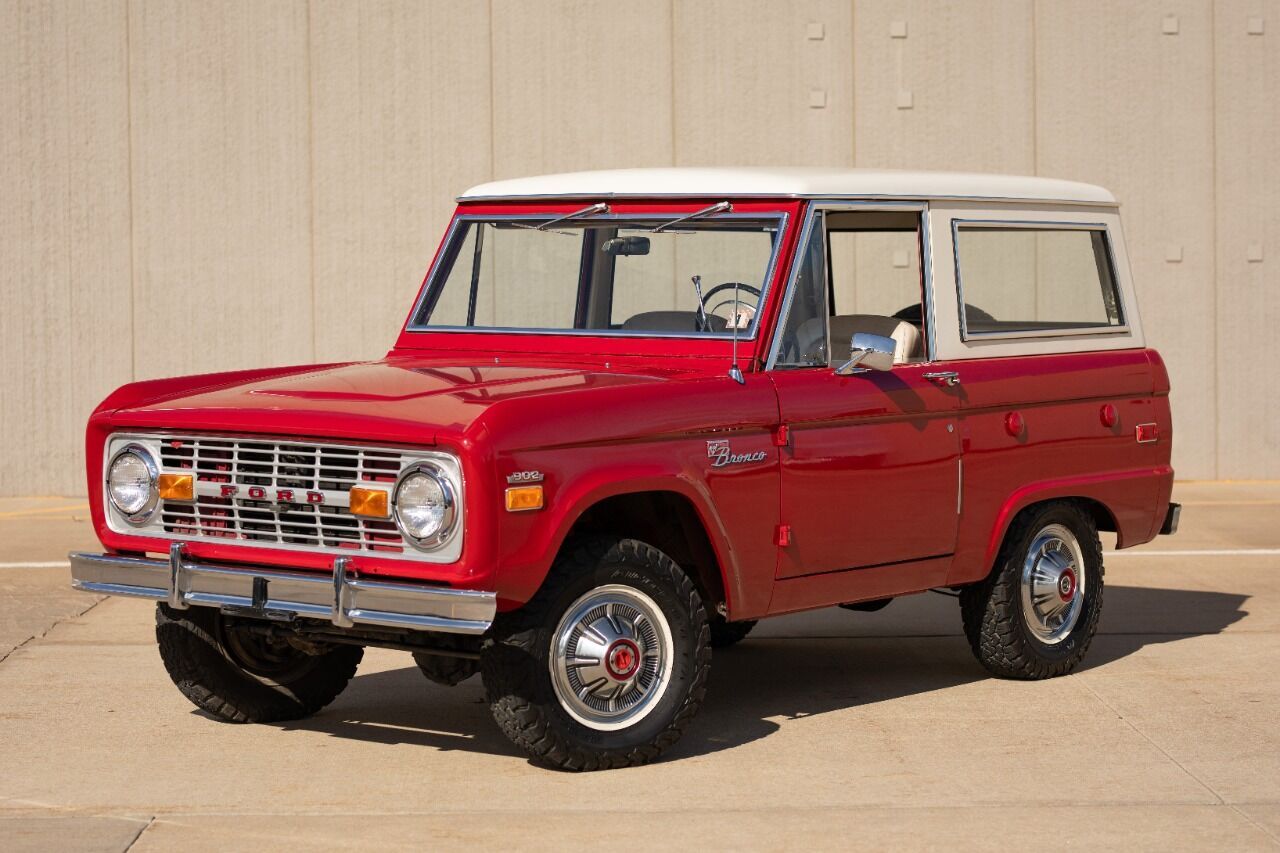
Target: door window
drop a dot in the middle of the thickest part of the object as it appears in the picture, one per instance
(860, 272)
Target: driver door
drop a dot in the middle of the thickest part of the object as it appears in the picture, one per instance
(871, 473)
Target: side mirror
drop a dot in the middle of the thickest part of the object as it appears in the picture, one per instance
(868, 352)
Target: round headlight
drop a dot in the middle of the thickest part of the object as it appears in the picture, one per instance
(425, 507)
(131, 484)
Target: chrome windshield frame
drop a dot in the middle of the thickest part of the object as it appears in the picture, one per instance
(451, 247)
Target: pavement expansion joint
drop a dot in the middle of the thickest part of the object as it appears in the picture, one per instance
(4, 657)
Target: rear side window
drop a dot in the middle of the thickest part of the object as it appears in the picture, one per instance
(1022, 281)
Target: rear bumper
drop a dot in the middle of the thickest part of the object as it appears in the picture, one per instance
(1171, 518)
(338, 597)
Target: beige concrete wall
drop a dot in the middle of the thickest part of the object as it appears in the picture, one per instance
(201, 186)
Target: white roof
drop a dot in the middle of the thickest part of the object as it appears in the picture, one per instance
(795, 182)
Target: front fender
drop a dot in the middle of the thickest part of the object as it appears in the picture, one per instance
(531, 541)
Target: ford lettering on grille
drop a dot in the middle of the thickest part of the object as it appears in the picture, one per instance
(283, 493)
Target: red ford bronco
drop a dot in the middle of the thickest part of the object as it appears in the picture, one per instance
(633, 412)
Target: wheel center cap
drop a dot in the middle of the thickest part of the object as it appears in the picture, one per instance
(1067, 585)
(622, 659)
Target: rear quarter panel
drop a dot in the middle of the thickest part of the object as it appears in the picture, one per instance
(1064, 448)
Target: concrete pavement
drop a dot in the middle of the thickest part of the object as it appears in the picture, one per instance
(825, 730)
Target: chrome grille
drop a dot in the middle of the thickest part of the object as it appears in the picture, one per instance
(282, 493)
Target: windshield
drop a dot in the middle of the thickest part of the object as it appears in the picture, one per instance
(603, 275)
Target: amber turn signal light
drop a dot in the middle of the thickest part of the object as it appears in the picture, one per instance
(370, 502)
(176, 487)
(522, 498)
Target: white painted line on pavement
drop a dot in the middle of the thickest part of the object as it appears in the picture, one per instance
(1206, 552)
(53, 564)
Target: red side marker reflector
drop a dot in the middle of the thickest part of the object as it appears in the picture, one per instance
(1147, 433)
(1014, 424)
(781, 436)
(1108, 416)
(782, 535)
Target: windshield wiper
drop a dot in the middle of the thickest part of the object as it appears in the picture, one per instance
(589, 210)
(718, 207)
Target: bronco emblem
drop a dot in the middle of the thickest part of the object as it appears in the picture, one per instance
(721, 454)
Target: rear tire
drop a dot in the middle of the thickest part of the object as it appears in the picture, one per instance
(238, 676)
(1036, 614)
(607, 665)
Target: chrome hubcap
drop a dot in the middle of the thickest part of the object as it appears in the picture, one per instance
(611, 657)
(1053, 584)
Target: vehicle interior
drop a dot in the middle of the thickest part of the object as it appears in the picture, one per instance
(861, 273)
(703, 274)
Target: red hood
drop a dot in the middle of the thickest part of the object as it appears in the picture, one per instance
(402, 399)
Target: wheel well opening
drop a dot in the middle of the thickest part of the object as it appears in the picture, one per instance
(1101, 515)
(1096, 509)
(667, 521)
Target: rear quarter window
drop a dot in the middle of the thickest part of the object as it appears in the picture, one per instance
(1028, 281)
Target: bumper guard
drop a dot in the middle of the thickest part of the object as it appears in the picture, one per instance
(340, 598)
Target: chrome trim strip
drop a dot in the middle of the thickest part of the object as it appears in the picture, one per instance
(341, 597)
(336, 597)
(779, 328)
(826, 203)
(926, 267)
(781, 217)
(1038, 225)
(177, 582)
(870, 197)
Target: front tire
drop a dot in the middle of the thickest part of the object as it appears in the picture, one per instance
(229, 669)
(1036, 614)
(607, 665)
(725, 633)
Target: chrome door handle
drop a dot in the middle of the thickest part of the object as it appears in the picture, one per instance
(944, 377)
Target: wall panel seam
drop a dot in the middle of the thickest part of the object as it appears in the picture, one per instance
(853, 82)
(1035, 89)
(133, 237)
(1213, 236)
(493, 126)
(67, 390)
(671, 39)
(311, 180)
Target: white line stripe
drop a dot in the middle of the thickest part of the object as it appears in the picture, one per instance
(1207, 552)
(53, 564)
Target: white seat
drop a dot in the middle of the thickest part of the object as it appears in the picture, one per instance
(906, 337)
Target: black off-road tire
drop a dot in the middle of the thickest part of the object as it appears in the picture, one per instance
(515, 661)
(725, 633)
(195, 649)
(445, 670)
(992, 611)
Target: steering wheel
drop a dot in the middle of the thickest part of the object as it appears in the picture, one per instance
(745, 313)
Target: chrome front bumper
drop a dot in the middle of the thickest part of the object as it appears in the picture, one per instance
(281, 595)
